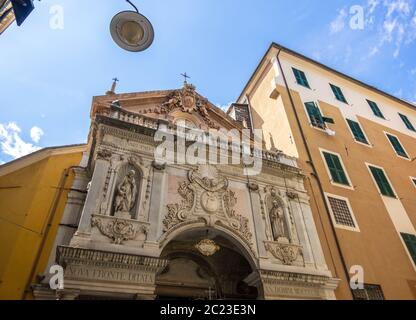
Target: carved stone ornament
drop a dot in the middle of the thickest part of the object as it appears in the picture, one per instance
(292, 195)
(104, 154)
(185, 100)
(207, 196)
(207, 247)
(253, 186)
(286, 253)
(119, 230)
(159, 166)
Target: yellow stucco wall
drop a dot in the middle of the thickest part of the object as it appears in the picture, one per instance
(27, 197)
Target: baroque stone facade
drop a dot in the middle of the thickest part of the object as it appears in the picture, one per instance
(142, 221)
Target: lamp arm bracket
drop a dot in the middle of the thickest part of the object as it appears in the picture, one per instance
(135, 8)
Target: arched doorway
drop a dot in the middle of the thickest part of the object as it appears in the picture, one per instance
(192, 275)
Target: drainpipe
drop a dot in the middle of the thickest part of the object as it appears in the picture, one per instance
(46, 229)
(315, 173)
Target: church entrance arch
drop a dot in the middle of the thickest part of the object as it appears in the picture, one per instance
(205, 263)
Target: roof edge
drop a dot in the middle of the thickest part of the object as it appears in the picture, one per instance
(39, 155)
(277, 46)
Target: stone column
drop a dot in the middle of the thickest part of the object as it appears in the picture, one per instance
(302, 233)
(157, 201)
(257, 218)
(312, 234)
(93, 196)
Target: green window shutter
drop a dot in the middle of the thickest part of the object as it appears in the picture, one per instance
(397, 146)
(410, 241)
(407, 122)
(301, 77)
(376, 110)
(335, 167)
(357, 131)
(338, 93)
(315, 115)
(382, 182)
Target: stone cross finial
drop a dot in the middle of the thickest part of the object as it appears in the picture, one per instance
(186, 77)
(113, 86)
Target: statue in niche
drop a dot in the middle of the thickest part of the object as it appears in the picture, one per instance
(126, 195)
(277, 221)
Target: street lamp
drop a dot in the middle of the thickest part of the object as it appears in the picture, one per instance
(131, 30)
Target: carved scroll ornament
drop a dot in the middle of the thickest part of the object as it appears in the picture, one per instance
(119, 230)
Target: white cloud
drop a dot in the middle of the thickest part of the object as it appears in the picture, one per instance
(36, 133)
(374, 51)
(394, 21)
(338, 24)
(11, 142)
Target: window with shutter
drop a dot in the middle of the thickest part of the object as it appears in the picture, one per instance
(315, 115)
(382, 182)
(376, 110)
(397, 146)
(336, 169)
(410, 241)
(357, 131)
(338, 93)
(407, 122)
(301, 77)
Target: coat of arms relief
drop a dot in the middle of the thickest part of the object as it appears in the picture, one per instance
(206, 195)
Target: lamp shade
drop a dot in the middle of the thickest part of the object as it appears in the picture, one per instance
(131, 31)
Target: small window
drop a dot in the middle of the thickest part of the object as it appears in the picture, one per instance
(397, 146)
(315, 115)
(410, 241)
(370, 292)
(338, 93)
(357, 131)
(407, 122)
(341, 212)
(336, 169)
(376, 110)
(414, 181)
(382, 182)
(301, 78)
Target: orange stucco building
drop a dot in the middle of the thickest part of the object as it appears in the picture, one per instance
(357, 147)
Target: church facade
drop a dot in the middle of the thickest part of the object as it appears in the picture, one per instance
(144, 228)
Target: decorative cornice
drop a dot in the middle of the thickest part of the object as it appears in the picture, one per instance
(67, 255)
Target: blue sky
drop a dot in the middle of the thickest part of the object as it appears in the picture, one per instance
(48, 76)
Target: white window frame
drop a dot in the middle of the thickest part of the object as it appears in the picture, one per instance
(341, 226)
(388, 140)
(339, 102)
(413, 182)
(294, 77)
(309, 119)
(369, 145)
(406, 248)
(351, 186)
(375, 182)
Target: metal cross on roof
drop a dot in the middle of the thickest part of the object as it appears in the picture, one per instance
(185, 77)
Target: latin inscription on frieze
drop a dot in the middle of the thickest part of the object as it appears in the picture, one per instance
(285, 291)
(104, 274)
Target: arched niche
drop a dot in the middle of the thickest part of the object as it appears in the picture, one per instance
(121, 171)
